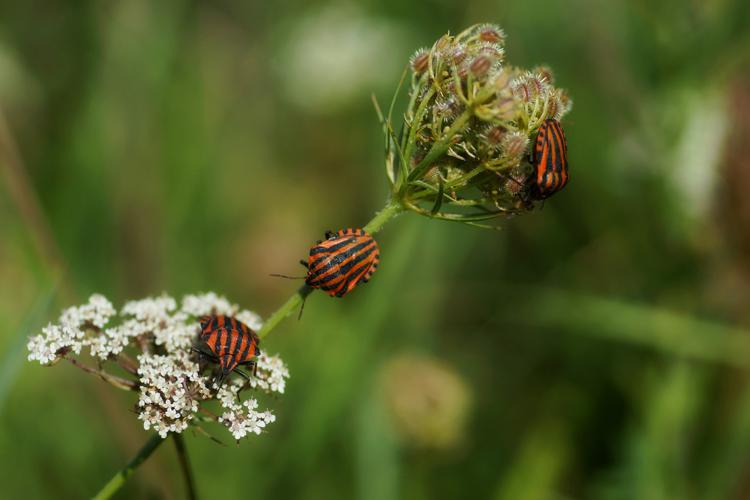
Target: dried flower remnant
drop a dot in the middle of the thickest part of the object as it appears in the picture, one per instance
(467, 128)
(173, 386)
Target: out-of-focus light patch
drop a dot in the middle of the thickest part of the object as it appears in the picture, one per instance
(429, 403)
(336, 55)
(17, 88)
(698, 153)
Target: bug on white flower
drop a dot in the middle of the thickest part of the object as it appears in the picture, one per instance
(171, 383)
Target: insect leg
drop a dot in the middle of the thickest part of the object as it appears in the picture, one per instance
(211, 356)
(302, 308)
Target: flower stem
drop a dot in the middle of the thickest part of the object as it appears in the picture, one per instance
(119, 382)
(182, 456)
(285, 310)
(389, 211)
(119, 479)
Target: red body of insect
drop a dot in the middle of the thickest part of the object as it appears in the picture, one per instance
(343, 260)
(231, 343)
(550, 160)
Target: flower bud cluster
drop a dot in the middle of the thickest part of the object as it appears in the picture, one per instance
(467, 129)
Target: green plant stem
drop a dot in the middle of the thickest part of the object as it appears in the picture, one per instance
(187, 472)
(389, 211)
(285, 310)
(119, 479)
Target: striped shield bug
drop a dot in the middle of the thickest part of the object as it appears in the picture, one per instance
(231, 343)
(339, 263)
(550, 161)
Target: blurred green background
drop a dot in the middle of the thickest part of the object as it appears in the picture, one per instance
(597, 348)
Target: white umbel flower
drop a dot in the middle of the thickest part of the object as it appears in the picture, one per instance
(96, 312)
(242, 418)
(272, 374)
(71, 332)
(171, 387)
(207, 303)
(171, 383)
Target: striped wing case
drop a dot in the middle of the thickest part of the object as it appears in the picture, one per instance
(550, 160)
(232, 342)
(339, 263)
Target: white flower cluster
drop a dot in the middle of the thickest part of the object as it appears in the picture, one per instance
(84, 326)
(171, 387)
(71, 332)
(272, 374)
(210, 303)
(170, 383)
(242, 418)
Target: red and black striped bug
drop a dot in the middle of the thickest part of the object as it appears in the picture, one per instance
(231, 343)
(344, 259)
(550, 161)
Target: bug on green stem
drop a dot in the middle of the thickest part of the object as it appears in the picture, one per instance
(344, 259)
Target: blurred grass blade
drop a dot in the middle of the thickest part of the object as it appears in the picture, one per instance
(15, 357)
(654, 465)
(666, 330)
(377, 454)
(539, 465)
(726, 461)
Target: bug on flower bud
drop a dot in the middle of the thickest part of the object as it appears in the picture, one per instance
(231, 343)
(550, 161)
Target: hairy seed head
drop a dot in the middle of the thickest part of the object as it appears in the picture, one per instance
(420, 61)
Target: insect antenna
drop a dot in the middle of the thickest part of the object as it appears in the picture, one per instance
(288, 277)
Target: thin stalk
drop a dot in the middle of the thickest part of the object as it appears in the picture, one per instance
(119, 479)
(416, 123)
(441, 146)
(187, 472)
(285, 310)
(119, 382)
(389, 211)
(448, 185)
